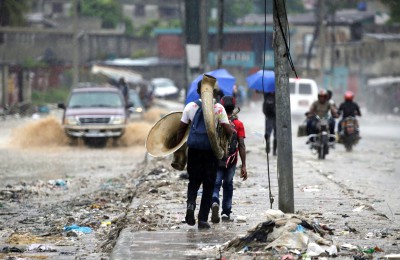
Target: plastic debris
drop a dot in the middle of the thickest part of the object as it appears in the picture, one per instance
(41, 248)
(105, 223)
(314, 249)
(288, 257)
(349, 247)
(300, 228)
(85, 230)
(392, 256)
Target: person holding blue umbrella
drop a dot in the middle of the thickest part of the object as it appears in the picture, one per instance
(264, 81)
(225, 83)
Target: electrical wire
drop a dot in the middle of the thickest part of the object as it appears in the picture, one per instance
(271, 197)
(289, 56)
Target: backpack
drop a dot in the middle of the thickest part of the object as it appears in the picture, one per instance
(198, 137)
(269, 105)
(230, 158)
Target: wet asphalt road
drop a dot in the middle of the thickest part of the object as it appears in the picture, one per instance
(341, 189)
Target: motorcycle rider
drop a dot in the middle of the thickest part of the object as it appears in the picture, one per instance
(321, 108)
(348, 108)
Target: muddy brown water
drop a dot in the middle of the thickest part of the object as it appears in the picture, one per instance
(33, 149)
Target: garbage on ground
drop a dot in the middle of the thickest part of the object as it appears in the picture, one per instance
(310, 189)
(85, 230)
(392, 256)
(377, 234)
(283, 233)
(41, 248)
(314, 249)
(58, 182)
(11, 250)
(349, 247)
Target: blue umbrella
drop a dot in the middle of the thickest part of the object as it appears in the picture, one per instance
(266, 77)
(224, 79)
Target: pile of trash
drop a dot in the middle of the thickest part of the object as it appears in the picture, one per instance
(288, 234)
(294, 236)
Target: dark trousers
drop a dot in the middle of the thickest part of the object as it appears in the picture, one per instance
(202, 170)
(312, 125)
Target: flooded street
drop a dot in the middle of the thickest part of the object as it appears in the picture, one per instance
(38, 149)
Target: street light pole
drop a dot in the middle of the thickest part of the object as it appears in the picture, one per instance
(283, 116)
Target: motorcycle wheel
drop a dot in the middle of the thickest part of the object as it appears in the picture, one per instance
(323, 147)
(348, 143)
(348, 147)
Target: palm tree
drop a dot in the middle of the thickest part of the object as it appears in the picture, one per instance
(12, 12)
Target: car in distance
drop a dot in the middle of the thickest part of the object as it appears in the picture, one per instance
(95, 113)
(137, 109)
(164, 88)
(303, 92)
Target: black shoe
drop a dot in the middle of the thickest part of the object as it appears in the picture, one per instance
(215, 213)
(203, 225)
(189, 218)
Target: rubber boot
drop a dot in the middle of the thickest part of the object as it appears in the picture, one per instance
(189, 218)
(274, 147)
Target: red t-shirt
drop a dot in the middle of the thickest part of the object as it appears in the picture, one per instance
(239, 128)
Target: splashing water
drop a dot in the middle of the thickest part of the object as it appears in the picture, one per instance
(154, 114)
(48, 132)
(135, 134)
(41, 133)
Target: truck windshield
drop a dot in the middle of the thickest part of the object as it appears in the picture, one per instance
(95, 99)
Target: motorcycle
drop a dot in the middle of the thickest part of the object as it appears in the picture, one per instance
(322, 140)
(349, 135)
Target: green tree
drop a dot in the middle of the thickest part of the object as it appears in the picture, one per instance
(110, 11)
(394, 7)
(12, 12)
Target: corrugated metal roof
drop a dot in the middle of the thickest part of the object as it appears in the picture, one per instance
(383, 36)
(382, 81)
(213, 30)
(348, 17)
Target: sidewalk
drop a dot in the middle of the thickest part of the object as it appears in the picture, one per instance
(317, 196)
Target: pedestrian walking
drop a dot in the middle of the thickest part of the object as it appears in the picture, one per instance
(270, 121)
(201, 163)
(227, 165)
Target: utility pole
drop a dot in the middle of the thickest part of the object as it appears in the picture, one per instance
(203, 35)
(283, 116)
(75, 47)
(192, 34)
(322, 40)
(333, 52)
(220, 32)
